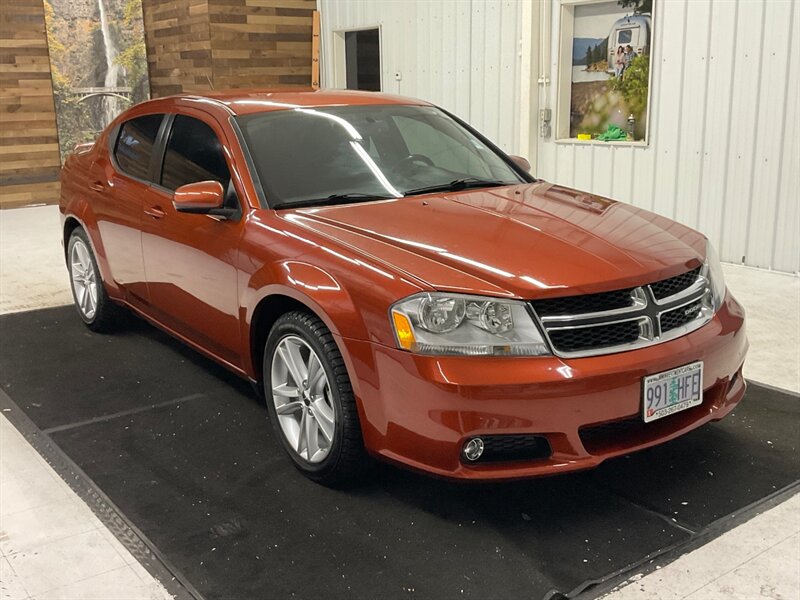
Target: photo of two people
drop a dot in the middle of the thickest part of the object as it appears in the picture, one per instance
(611, 69)
(623, 60)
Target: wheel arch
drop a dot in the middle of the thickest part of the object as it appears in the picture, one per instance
(275, 301)
(84, 219)
(266, 313)
(71, 223)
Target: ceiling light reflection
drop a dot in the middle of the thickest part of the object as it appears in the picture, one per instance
(375, 169)
(352, 131)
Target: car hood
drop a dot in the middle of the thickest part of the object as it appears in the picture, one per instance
(528, 241)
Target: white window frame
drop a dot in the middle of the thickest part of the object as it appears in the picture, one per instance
(564, 84)
(340, 58)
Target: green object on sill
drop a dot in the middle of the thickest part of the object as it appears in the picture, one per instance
(613, 134)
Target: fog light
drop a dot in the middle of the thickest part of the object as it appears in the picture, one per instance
(473, 449)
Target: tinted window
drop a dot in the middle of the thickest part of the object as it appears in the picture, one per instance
(426, 138)
(624, 37)
(382, 150)
(135, 145)
(194, 153)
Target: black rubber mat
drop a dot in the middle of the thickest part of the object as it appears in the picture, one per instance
(185, 451)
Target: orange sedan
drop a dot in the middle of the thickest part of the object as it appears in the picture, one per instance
(398, 287)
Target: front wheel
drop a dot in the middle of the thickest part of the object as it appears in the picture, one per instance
(93, 304)
(310, 400)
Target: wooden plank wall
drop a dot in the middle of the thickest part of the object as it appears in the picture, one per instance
(261, 43)
(192, 44)
(29, 158)
(177, 36)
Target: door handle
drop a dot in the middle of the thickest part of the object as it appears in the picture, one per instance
(155, 211)
(97, 186)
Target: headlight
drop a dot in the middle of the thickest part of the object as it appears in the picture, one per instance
(712, 270)
(452, 324)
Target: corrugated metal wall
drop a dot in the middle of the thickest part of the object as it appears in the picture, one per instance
(459, 54)
(724, 153)
(724, 136)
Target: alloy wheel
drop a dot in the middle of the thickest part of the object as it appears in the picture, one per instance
(302, 397)
(84, 279)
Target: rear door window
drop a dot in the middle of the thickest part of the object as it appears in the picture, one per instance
(135, 143)
(194, 153)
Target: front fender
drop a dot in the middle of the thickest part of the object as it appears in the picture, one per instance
(309, 285)
(350, 292)
(312, 287)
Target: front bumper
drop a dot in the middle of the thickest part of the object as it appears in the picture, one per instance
(420, 410)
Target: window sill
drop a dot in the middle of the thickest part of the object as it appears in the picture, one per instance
(635, 144)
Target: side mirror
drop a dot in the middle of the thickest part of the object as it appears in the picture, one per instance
(521, 162)
(202, 198)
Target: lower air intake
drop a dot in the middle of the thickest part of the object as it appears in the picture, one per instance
(507, 448)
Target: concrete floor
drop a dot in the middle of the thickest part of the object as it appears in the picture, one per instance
(52, 546)
(51, 543)
(760, 559)
(772, 303)
(32, 263)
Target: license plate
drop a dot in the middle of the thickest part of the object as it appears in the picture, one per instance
(672, 391)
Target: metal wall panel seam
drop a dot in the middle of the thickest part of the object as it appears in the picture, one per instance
(724, 196)
(654, 134)
(680, 114)
(753, 157)
(777, 220)
(706, 78)
(693, 93)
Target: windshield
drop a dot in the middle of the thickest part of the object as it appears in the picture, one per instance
(355, 153)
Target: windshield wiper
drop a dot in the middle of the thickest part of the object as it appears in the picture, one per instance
(457, 185)
(333, 199)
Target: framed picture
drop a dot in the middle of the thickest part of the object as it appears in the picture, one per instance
(604, 72)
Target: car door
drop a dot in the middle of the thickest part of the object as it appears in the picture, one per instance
(118, 183)
(190, 259)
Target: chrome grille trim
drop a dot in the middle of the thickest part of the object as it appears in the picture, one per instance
(698, 287)
(645, 309)
(638, 298)
(677, 284)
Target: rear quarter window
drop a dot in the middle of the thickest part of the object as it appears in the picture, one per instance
(135, 143)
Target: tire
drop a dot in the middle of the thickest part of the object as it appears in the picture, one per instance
(94, 306)
(306, 406)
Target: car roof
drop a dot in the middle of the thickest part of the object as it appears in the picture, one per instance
(241, 102)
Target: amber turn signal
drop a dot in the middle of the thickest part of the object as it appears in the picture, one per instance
(405, 334)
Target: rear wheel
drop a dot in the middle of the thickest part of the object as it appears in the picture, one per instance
(310, 400)
(93, 304)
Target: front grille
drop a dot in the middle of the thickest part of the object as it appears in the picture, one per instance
(669, 287)
(680, 316)
(593, 324)
(503, 448)
(600, 336)
(587, 303)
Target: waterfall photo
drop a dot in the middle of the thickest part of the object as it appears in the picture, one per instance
(97, 62)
